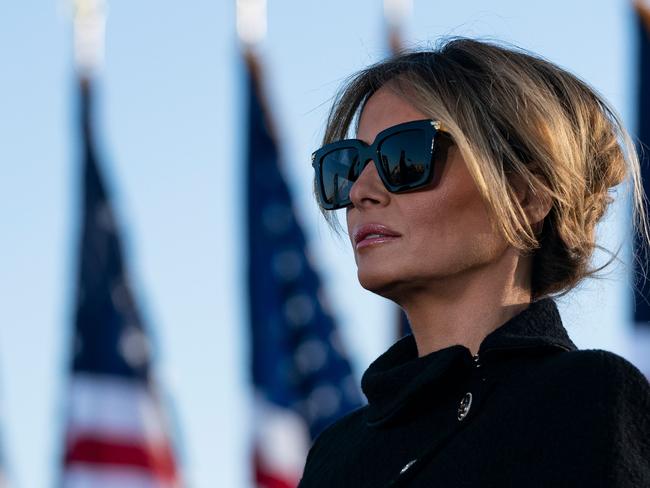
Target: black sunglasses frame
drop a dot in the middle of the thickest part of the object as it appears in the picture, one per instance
(372, 152)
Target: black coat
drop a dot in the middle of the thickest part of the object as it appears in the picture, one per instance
(530, 410)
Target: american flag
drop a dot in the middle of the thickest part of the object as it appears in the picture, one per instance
(642, 290)
(301, 377)
(116, 433)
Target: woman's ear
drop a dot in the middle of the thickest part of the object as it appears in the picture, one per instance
(535, 202)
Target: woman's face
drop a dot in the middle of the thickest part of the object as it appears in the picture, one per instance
(442, 232)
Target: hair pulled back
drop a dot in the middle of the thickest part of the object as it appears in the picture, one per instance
(516, 117)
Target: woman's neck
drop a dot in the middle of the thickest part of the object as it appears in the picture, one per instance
(465, 308)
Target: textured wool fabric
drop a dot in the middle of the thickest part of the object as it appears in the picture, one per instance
(530, 410)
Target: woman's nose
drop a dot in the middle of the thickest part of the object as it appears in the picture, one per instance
(369, 189)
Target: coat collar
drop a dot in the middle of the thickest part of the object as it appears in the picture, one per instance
(398, 375)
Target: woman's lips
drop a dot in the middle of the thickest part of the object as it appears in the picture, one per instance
(372, 235)
(374, 241)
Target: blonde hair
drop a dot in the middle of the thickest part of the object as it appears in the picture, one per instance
(513, 116)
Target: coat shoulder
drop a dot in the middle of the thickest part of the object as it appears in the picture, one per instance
(602, 369)
(342, 427)
(329, 443)
(595, 387)
(587, 406)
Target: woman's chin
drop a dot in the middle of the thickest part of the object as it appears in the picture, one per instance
(387, 285)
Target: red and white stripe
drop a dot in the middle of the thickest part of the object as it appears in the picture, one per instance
(280, 447)
(116, 436)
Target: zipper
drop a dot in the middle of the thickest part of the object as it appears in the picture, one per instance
(477, 360)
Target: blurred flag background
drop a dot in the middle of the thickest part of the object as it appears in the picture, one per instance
(117, 430)
(175, 111)
(301, 375)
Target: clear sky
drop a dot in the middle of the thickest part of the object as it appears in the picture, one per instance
(171, 136)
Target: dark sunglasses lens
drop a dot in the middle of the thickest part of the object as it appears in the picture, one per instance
(338, 173)
(406, 157)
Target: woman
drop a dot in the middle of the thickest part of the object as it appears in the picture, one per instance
(472, 191)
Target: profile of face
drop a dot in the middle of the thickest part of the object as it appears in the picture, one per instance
(442, 232)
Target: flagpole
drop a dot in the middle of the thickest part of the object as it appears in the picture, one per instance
(396, 12)
(89, 27)
(251, 22)
(251, 31)
(252, 27)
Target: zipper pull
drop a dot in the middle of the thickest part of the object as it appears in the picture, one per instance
(477, 364)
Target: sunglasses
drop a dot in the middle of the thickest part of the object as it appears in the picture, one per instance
(403, 155)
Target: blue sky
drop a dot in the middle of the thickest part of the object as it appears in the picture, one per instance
(171, 134)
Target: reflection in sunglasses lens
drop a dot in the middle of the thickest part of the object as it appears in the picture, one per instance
(338, 168)
(403, 156)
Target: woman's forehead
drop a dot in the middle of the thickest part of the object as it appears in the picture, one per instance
(385, 108)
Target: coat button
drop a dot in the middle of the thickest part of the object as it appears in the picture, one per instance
(407, 466)
(465, 405)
